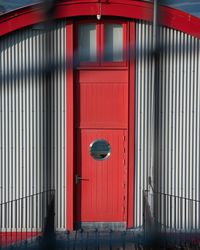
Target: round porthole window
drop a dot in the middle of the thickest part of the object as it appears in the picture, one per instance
(100, 149)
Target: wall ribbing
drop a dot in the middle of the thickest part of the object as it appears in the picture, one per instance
(179, 117)
(23, 112)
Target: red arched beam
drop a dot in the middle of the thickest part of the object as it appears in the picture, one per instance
(169, 17)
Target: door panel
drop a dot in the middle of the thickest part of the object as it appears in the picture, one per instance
(102, 105)
(102, 75)
(101, 194)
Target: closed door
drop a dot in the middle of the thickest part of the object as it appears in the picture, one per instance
(101, 122)
(101, 165)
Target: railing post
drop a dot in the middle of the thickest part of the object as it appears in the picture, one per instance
(148, 220)
(48, 242)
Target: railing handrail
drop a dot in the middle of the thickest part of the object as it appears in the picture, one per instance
(175, 196)
(28, 196)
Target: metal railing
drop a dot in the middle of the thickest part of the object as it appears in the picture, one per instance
(171, 220)
(26, 219)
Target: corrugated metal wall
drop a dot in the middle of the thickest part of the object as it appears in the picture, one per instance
(25, 114)
(24, 153)
(179, 125)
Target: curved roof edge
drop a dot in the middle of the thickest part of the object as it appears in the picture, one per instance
(33, 14)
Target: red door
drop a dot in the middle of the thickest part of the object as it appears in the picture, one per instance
(101, 124)
(101, 194)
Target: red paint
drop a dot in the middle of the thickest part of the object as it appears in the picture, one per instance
(130, 209)
(19, 18)
(9, 238)
(171, 18)
(103, 101)
(102, 74)
(101, 111)
(69, 127)
(101, 196)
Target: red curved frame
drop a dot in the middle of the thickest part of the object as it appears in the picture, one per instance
(169, 17)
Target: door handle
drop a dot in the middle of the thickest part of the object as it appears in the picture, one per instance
(78, 178)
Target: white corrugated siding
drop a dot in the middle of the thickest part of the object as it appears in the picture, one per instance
(23, 120)
(179, 125)
(23, 123)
